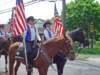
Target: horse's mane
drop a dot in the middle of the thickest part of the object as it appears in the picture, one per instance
(53, 39)
(58, 38)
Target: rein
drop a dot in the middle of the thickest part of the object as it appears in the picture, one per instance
(46, 58)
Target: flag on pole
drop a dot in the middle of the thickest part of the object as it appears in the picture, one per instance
(58, 26)
(18, 25)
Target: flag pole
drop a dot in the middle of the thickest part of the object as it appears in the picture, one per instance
(26, 60)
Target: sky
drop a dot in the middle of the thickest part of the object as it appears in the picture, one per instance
(43, 10)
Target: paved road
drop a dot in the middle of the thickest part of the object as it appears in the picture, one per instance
(71, 68)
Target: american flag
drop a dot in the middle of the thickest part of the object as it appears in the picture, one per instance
(18, 25)
(58, 26)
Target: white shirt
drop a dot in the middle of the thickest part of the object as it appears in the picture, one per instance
(46, 34)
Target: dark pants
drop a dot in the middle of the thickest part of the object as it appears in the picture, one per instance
(29, 50)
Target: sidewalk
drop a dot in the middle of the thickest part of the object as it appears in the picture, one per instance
(94, 59)
(90, 59)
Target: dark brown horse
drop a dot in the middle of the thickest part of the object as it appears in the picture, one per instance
(4, 47)
(76, 35)
(51, 48)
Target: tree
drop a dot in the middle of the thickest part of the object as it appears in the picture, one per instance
(83, 13)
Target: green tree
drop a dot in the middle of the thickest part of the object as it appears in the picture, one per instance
(83, 13)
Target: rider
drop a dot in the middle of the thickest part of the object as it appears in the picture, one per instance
(31, 38)
(48, 33)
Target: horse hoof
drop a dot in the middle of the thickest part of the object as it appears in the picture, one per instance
(6, 72)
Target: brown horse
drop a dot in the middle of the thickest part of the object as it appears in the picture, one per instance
(51, 48)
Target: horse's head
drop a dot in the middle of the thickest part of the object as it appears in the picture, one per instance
(78, 35)
(59, 44)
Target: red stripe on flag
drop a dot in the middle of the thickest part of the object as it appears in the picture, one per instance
(59, 29)
(19, 23)
(19, 16)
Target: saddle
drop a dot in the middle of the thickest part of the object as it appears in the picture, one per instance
(20, 54)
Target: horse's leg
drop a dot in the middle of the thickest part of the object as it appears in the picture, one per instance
(29, 70)
(60, 67)
(11, 65)
(43, 71)
(17, 66)
(60, 61)
(6, 64)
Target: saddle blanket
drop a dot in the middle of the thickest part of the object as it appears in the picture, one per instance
(20, 54)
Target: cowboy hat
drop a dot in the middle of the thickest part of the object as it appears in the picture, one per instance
(31, 18)
(47, 22)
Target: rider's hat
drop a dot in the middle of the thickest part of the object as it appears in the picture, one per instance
(31, 18)
(46, 23)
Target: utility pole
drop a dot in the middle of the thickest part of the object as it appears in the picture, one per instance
(64, 12)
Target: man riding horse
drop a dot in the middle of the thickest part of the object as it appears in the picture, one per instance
(31, 38)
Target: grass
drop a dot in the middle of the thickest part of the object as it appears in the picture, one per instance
(85, 53)
(88, 51)
(92, 51)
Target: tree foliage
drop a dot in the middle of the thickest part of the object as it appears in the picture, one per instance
(84, 14)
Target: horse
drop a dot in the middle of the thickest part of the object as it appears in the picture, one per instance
(60, 59)
(4, 47)
(50, 48)
(79, 36)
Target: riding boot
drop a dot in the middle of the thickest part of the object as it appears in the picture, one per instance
(29, 69)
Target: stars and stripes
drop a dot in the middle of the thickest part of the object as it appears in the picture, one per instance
(18, 25)
(58, 27)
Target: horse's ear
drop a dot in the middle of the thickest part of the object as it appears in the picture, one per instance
(64, 34)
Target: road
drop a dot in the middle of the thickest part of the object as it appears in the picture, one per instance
(76, 67)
